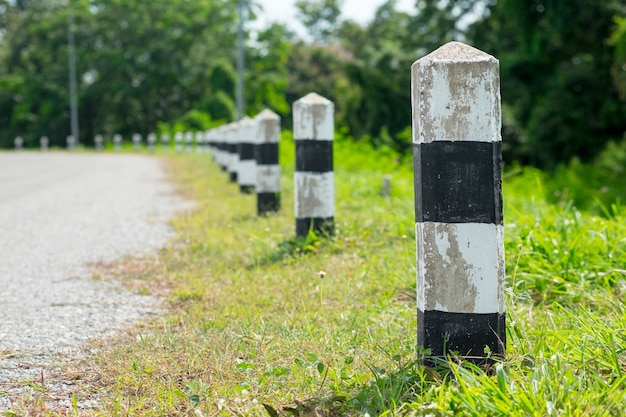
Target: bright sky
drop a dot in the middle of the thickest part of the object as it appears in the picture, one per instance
(361, 11)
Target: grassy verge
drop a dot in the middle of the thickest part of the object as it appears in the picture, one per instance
(264, 324)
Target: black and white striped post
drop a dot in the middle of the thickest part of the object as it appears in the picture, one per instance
(458, 204)
(219, 151)
(246, 166)
(267, 167)
(189, 142)
(314, 179)
(232, 137)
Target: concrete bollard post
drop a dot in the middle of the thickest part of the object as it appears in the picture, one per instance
(189, 141)
(98, 141)
(267, 167)
(385, 190)
(117, 142)
(222, 148)
(137, 142)
(44, 143)
(232, 137)
(19, 143)
(199, 141)
(165, 141)
(178, 139)
(458, 203)
(246, 166)
(314, 179)
(151, 139)
(71, 142)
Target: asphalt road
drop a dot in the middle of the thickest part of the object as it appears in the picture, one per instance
(59, 214)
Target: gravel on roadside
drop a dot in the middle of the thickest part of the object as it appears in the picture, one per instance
(59, 214)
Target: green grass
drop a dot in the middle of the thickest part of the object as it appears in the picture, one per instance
(264, 324)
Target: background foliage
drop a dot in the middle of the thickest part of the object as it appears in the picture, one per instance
(142, 65)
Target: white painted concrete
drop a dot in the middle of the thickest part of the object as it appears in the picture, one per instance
(313, 117)
(460, 267)
(314, 194)
(456, 95)
(267, 179)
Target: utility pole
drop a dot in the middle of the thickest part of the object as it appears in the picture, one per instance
(72, 75)
(240, 61)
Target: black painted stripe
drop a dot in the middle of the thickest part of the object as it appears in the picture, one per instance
(267, 202)
(465, 334)
(314, 155)
(458, 182)
(233, 176)
(232, 148)
(266, 154)
(246, 189)
(319, 225)
(245, 150)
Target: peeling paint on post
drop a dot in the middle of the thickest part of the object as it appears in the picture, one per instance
(313, 132)
(267, 166)
(246, 166)
(458, 203)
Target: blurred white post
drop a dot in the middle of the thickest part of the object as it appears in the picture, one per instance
(19, 143)
(44, 142)
(117, 142)
(151, 142)
(71, 142)
(178, 139)
(137, 142)
(314, 178)
(98, 141)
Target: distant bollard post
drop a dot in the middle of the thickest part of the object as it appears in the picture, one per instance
(232, 137)
(314, 179)
(19, 143)
(137, 142)
(189, 141)
(178, 139)
(165, 141)
(44, 143)
(117, 142)
(267, 167)
(246, 168)
(98, 141)
(151, 139)
(222, 148)
(458, 204)
(199, 141)
(385, 190)
(71, 142)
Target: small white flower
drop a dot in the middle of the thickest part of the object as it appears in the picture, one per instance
(322, 274)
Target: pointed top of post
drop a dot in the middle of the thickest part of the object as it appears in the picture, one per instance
(314, 98)
(457, 51)
(267, 114)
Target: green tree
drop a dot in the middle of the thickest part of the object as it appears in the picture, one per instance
(320, 17)
(138, 63)
(559, 99)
